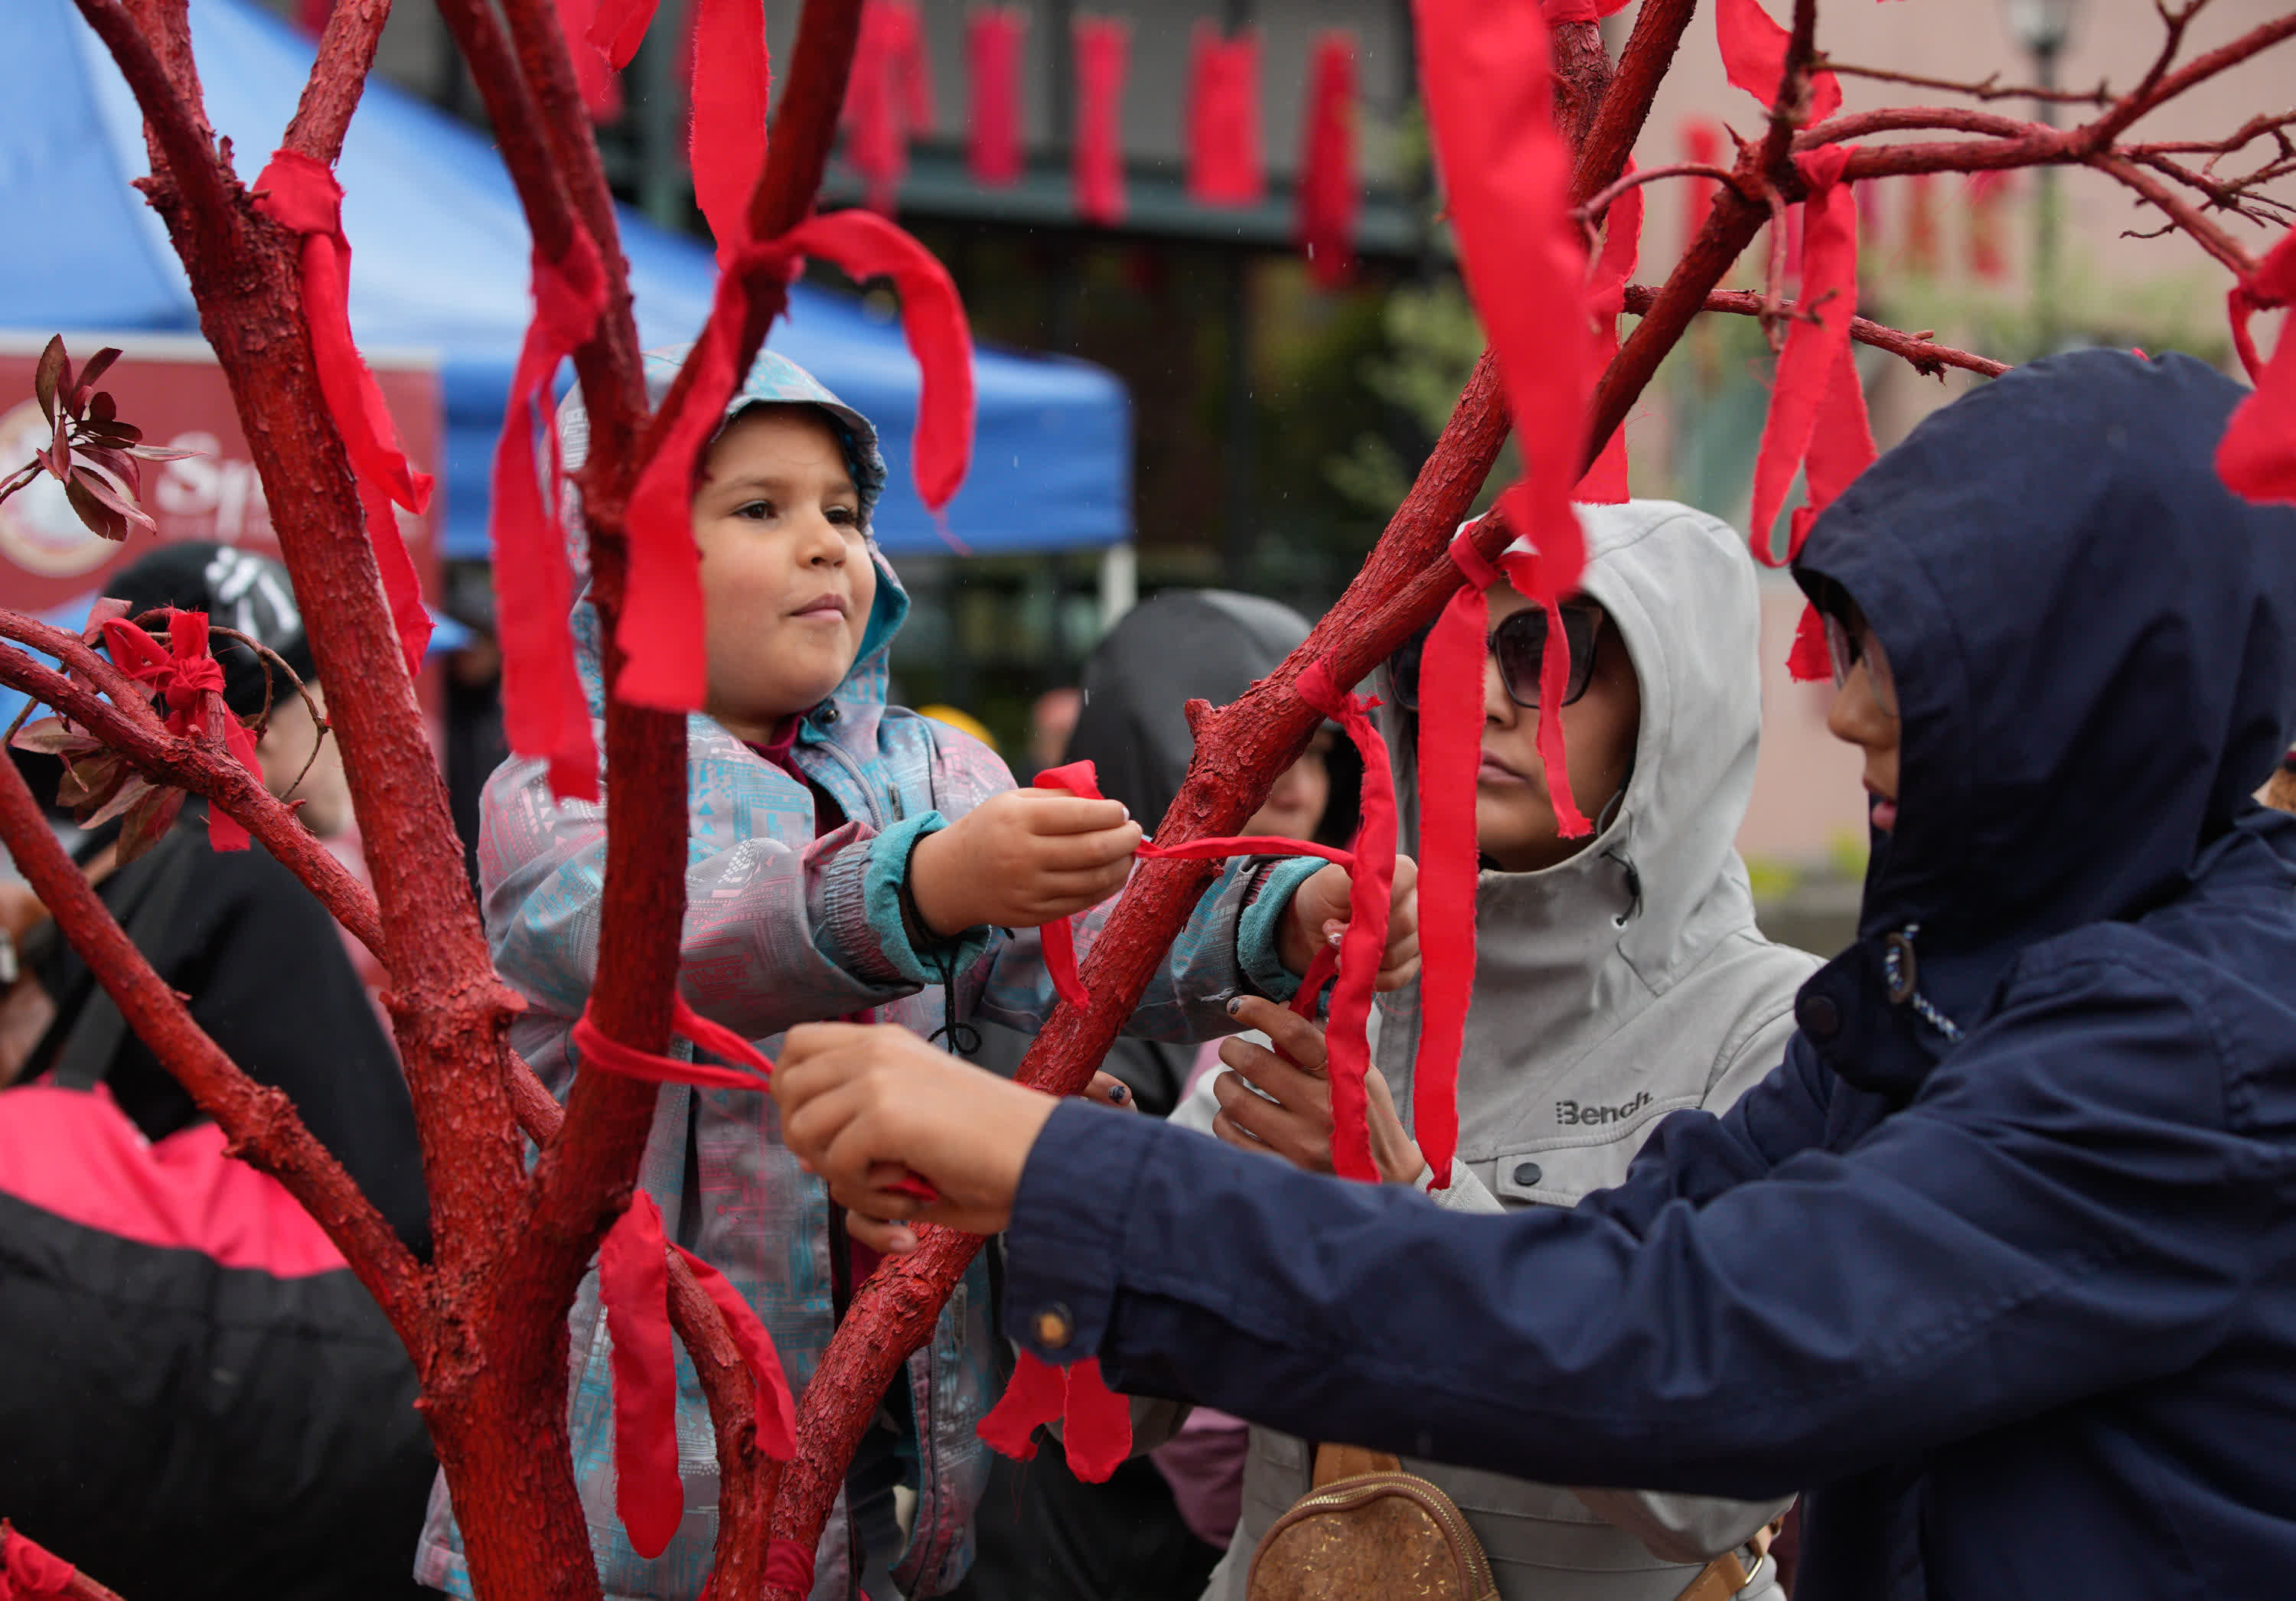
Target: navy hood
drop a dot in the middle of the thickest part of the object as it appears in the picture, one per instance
(2094, 646)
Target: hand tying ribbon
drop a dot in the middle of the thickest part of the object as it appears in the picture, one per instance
(665, 666)
(189, 681)
(301, 196)
(545, 712)
(2257, 459)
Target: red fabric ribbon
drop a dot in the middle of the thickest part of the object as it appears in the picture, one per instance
(1058, 937)
(1370, 883)
(301, 196)
(190, 683)
(1224, 165)
(1841, 448)
(1605, 482)
(1104, 51)
(777, 1411)
(594, 78)
(1754, 57)
(619, 27)
(1096, 1422)
(888, 98)
(746, 1068)
(665, 667)
(1829, 278)
(31, 1572)
(2257, 458)
(633, 1280)
(1488, 81)
(789, 1566)
(1702, 142)
(1986, 194)
(1328, 196)
(1921, 250)
(992, 49)
(726, 139)
(543, 711)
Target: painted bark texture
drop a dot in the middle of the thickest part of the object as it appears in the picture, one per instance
(485, 1319)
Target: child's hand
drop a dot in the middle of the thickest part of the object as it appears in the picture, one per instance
(1021, 858)
(1291, 1115)
(1318, 915)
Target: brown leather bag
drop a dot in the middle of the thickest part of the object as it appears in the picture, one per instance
(1368, 1529)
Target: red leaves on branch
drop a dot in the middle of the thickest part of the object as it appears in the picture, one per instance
(992, 51)
(1328, 198)
(93, 453)
(1224, 165)
(2257, 458)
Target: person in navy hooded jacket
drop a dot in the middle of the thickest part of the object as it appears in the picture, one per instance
(1999, 1266)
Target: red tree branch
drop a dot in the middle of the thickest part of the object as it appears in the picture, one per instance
(1625, 107)
(346, 55)
(260, 1121)
(172, 123)
(1926, 357)
(1989, 87)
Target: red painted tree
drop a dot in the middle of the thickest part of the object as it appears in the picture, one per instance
(485, 1319)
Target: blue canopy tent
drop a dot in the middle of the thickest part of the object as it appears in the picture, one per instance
(439, 260)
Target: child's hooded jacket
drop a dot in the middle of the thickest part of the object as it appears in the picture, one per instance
(785, 925)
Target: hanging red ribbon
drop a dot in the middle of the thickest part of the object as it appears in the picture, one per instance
(886, 99)
(190, 683)
(1841, 448)
(1754, 57)
(1605, 482)
(1223, 125)
(619, 27)
(725, 140)
(301, 196)
(1103, 50)
(777, 1411)
(2257, 458)
(1829, 279)
(543, 711)
(1701, 143)
(1329, 197)
(665, 666)
(992, 49)
(1096, 1422)
(1921, 249)
(594, 78)
(1988, 192)
(29, 1571)
(633, 1280)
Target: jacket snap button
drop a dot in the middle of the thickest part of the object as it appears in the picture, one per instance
(1056, 1326)
(1528, 1172)
(1819, 1017)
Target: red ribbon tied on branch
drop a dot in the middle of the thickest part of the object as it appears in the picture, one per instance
(1754, 57)
(2257, 458)
(544, 713)
(1605, 483)
(665, 666)
(190, 683)
(301, 196)
(29, 1571)
(1096, 1422)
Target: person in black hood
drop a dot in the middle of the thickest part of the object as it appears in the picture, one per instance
(1999, 1266)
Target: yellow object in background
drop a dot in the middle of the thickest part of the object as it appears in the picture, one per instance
(965, 722)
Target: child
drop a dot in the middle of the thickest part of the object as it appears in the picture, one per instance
(1619, 977)
(847, 859)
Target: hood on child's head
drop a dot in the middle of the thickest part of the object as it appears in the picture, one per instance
(772, 379)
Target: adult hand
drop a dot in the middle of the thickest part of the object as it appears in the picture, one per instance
(1020, 860)
(1291, 1114)
(1320, 911)
(869, 1106)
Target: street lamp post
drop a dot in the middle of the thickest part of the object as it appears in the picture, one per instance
(2042, 28)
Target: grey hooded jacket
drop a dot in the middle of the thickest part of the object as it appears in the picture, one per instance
(1625, 983)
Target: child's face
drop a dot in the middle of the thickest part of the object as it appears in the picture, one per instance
(1514, 813)
(786, 577)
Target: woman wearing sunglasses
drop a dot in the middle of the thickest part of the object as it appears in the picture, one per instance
(1619, 977)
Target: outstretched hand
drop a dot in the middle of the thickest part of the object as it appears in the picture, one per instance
(1021, 859)
(1319, 914)
(870, 1107)
(1280, 1100)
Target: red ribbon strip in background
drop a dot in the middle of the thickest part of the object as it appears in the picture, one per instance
(2257, 459)
(992, 49)
(1328, 195)
(1223, 119)
(665, 665)
(544, 713)
(301, 196)
(888, 98)
(1104, 51)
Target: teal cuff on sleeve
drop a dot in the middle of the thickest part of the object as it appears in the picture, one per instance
(881, 895)
(1259, 932)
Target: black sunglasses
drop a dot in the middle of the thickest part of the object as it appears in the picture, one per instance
(1518, 645)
